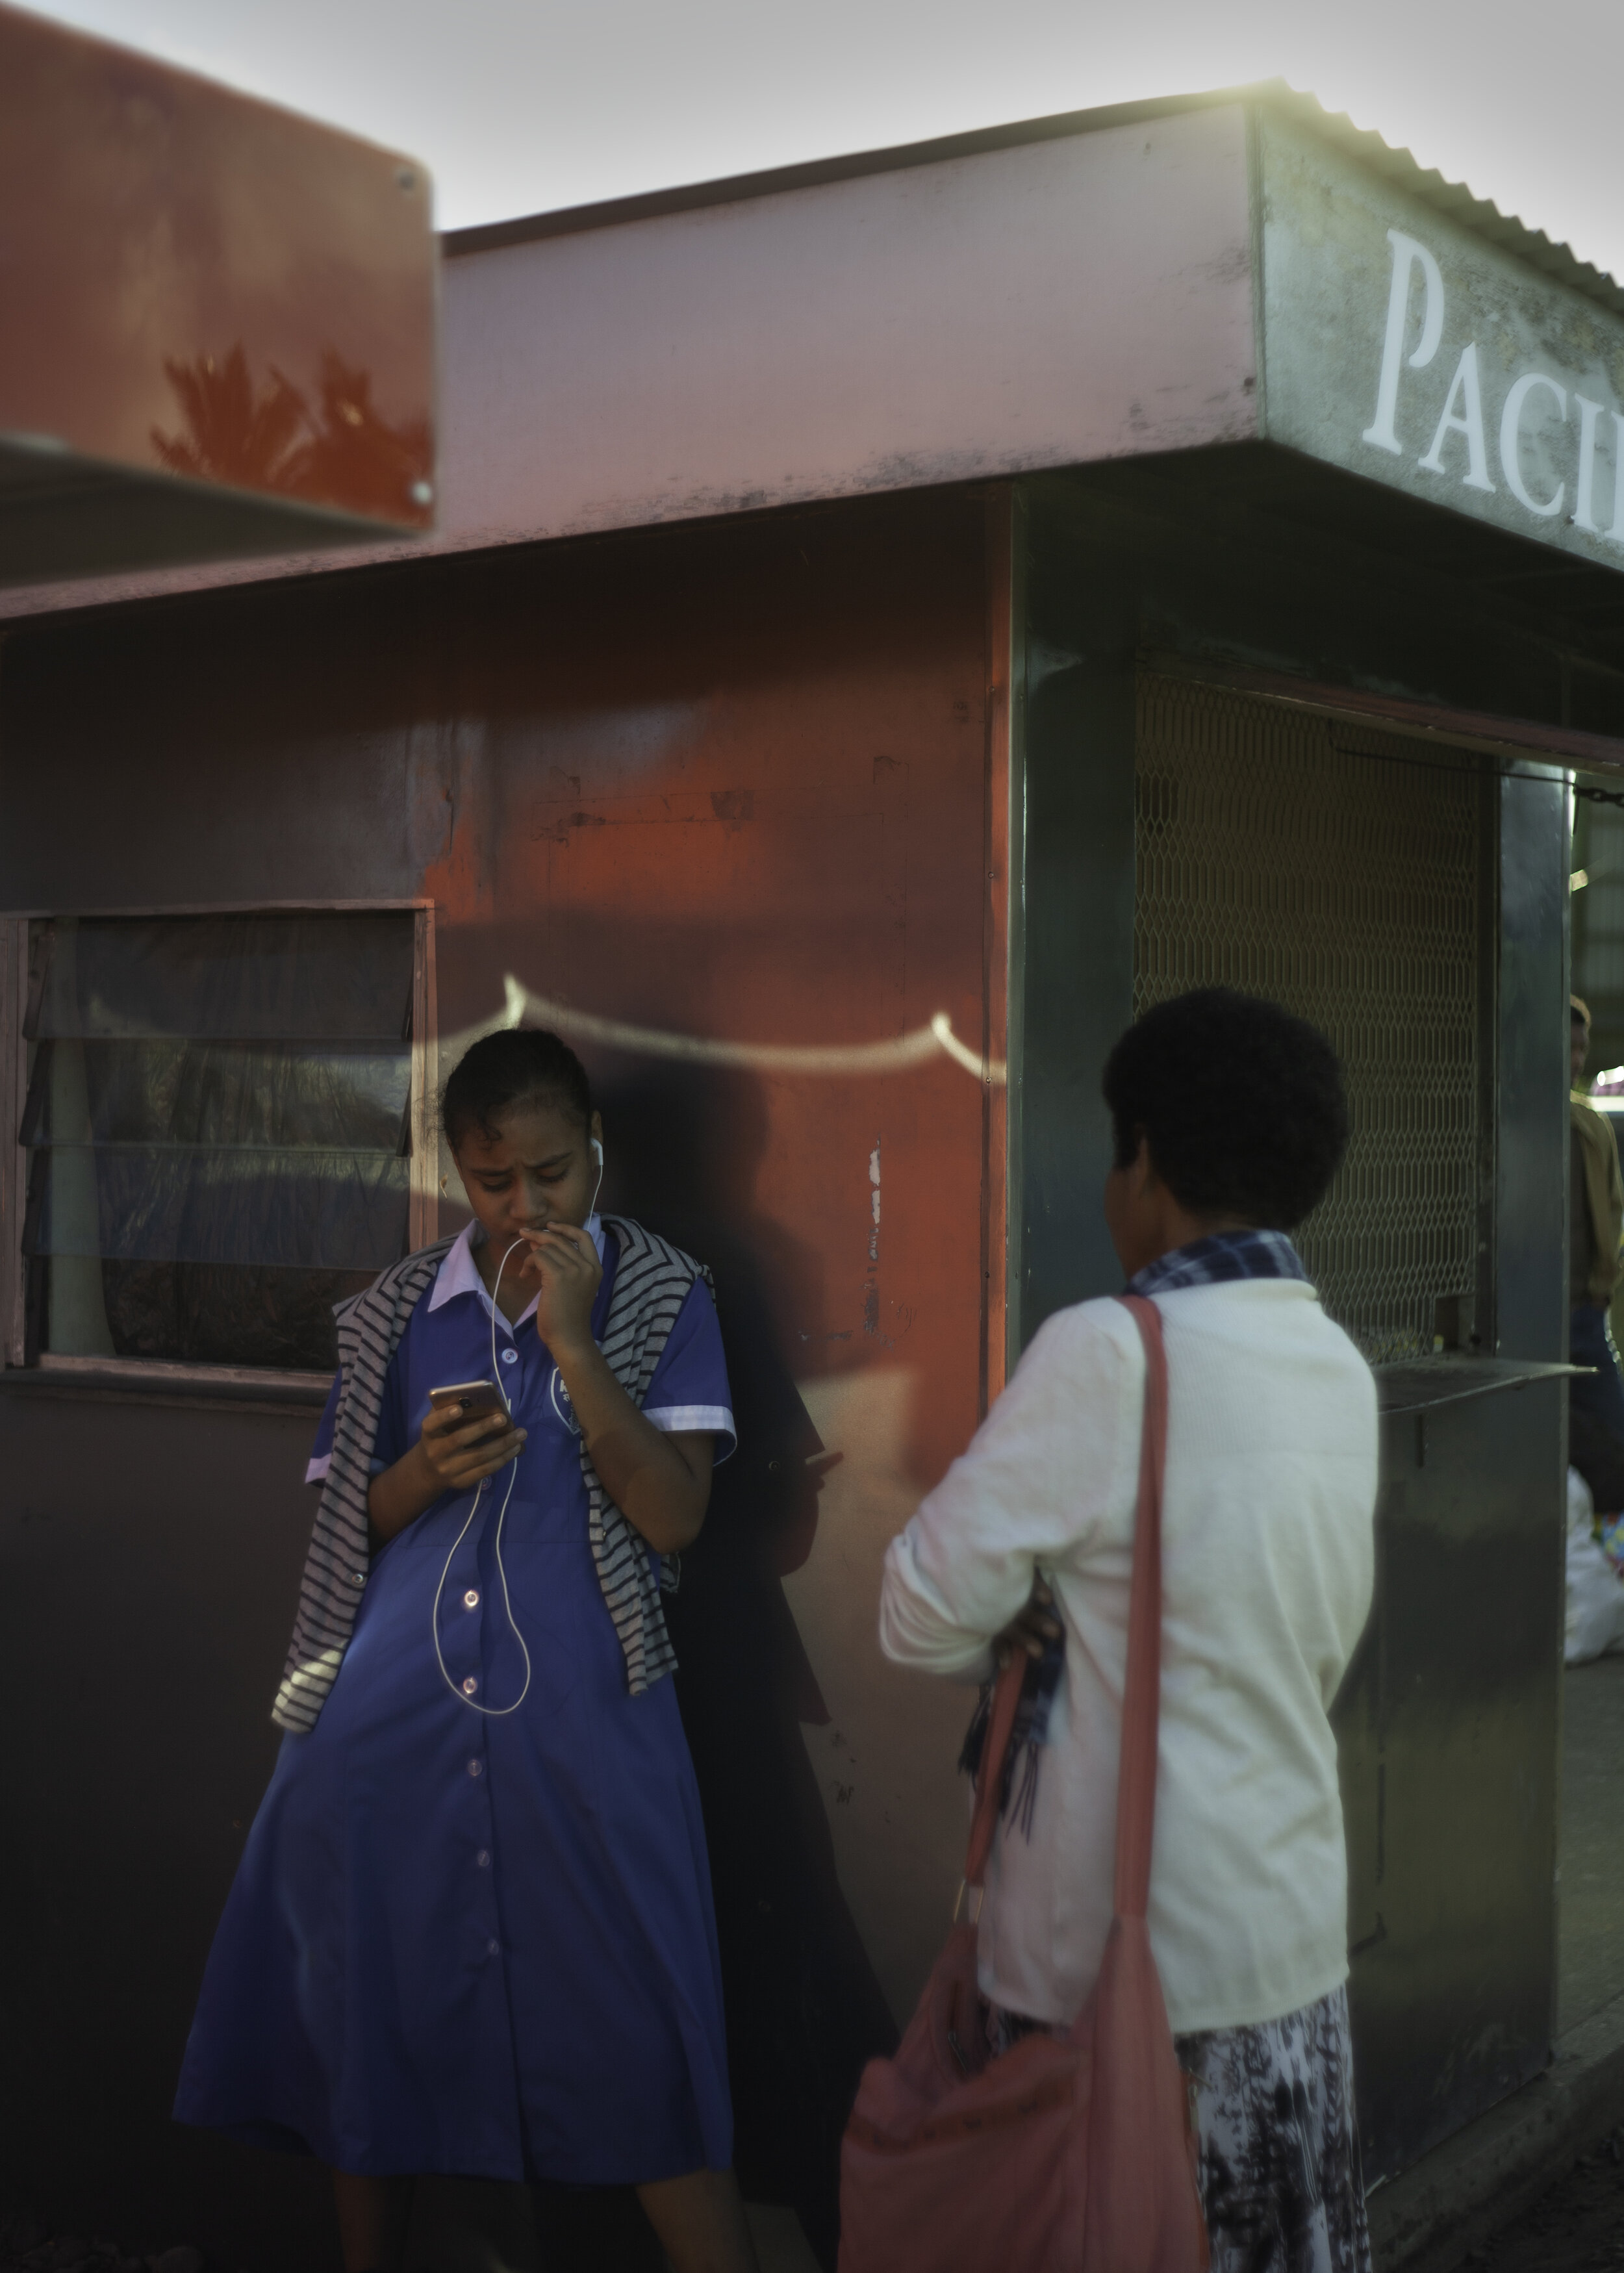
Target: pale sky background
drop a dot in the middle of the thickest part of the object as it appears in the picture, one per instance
(519, 105)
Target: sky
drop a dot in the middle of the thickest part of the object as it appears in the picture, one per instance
(523, 106)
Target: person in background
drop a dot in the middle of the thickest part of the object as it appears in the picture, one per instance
(1595, 1222)
(1229, 1120)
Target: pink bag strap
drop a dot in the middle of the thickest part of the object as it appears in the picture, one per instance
(1142, 1690)
(1141, 1699)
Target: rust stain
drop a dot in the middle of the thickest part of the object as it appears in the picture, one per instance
(733, 807)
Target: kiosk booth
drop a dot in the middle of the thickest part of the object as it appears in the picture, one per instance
(889, 621)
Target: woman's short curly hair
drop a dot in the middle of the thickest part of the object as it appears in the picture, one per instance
(1241, 1104)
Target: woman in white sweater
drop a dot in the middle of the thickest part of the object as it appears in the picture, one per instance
(1230, 1121)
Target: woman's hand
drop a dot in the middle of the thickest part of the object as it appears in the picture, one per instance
(461, 1448)
(562, 1272)
(1033, 1630)
(455, 1452)
(660, 1483)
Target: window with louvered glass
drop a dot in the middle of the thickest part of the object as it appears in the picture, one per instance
(217, 1129)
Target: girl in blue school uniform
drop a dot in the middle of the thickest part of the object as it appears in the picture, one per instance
(472, 1929)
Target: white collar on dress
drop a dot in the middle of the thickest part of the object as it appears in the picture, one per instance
(458, 1274)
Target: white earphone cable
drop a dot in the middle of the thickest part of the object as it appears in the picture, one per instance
(495, 1711)
(491, 1712)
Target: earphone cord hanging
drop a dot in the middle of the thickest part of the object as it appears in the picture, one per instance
(491, 1712)
(496, 1712)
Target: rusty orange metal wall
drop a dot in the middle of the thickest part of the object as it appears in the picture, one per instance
(739, 789)
(750, 806)
(742, 782)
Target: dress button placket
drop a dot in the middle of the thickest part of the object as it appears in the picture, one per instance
(470, 1600)
(482, 1916)
(462, 1625)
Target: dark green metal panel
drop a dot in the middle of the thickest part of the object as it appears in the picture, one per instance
(1073, 864)
(1450, 1722)
(1448, 1731)
(1532, 1182)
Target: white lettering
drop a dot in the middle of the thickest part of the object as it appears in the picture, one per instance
(1615, 534)
(1585, 485)
(1407, 252)
(1467, 421)
(1511, 439)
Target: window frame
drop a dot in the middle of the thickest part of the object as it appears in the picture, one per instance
(262, 1388)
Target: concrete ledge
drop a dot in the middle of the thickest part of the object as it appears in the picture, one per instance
(1430, 2217)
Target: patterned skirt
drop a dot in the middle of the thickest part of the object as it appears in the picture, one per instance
(1279, 2143)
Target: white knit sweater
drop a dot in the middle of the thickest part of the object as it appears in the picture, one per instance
(1268, 1561)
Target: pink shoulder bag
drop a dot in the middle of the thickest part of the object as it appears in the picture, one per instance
(1069, 2153)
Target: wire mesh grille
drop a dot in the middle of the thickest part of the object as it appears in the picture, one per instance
(1320, 865)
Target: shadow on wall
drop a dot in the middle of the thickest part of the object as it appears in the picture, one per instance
(343, 453)
(804, 2009)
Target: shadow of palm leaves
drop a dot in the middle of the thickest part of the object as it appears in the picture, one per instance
(342, 452)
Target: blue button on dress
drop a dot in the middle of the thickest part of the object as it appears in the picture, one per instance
(473, 1944)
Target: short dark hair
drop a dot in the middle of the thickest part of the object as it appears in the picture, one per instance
(507, 1069)
(1241, 1104)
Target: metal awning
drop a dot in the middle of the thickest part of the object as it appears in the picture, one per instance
(1487, 731)
(1284, 293)
(217, 330)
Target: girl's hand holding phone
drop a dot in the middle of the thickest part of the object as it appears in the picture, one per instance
(461, 1448)
(455, 1451)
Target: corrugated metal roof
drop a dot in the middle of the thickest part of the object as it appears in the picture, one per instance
(1424, 182)
(1452, 198)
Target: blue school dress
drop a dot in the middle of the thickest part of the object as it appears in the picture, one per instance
(472, 1945)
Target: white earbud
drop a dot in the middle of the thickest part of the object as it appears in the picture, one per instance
(597, 1148)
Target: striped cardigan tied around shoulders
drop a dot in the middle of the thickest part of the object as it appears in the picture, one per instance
(652, 1281)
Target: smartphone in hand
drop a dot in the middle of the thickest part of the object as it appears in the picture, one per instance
(467, 1398)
